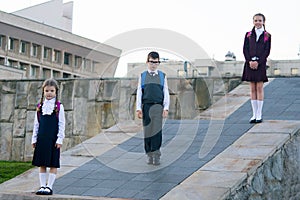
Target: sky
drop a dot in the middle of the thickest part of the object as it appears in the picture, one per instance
(217, 26)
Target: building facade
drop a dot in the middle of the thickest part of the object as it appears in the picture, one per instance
(214, 68)
(29, 49)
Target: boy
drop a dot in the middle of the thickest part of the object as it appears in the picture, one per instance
(152, 102)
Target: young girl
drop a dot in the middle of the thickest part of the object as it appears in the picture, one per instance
(48, 135)
(257, 45)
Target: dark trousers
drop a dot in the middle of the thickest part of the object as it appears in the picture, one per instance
(152, 124)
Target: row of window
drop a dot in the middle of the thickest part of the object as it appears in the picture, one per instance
(50, 55)
(34, 71)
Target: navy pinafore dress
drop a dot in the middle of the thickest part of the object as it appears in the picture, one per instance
(45, 152)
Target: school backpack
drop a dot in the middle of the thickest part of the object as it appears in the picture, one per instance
(161, 77)
(39, 106)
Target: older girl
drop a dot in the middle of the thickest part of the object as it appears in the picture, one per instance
(257, 45)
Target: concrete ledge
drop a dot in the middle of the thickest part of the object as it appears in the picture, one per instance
(231, 168)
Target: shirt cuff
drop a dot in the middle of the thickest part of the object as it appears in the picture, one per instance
(59, 141)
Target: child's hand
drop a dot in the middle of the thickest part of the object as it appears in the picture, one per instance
(139, 114)
(58, 146)
(33, 145)
(165, 113)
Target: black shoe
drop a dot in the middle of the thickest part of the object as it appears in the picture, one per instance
(48, 191)
(156, 160)
(259, 121)
(40, 191)
(252, 121)
(150, 160)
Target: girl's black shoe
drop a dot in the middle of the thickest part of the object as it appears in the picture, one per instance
(40, 191)
(252, 121)
(47, 191)
(259, 121)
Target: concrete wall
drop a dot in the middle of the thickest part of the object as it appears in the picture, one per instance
(90, 106)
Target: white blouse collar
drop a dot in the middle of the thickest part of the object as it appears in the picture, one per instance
(48, 106)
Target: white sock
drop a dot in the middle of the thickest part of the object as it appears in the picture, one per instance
(259, 109)
(51, 180)
(42, 177)
(254, 109)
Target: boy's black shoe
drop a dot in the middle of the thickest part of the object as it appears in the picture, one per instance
(156, 160)
(47, 191)
(150, 160)
(40, 191)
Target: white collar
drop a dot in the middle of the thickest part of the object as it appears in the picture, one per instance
(259, 30)
(156, 72)
(48, 106)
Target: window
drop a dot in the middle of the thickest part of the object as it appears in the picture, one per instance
(94, 64)
(67, 58)
(65, 75)
(57, 56)
(23, 47)
(34, 50)
(87, 65)
(24, 66)
(78, 61)
(276, 71)
(294, 71)
(34, 71)
(11, 44)
(46, 73)
(47, 53)
(56, 74)
(1, 40)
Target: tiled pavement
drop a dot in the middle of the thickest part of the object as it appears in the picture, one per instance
(187, 145)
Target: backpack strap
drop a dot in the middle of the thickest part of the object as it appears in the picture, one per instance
(249, 34)
(161, 78)
(38, 111)
(57, 108)
(143, 78)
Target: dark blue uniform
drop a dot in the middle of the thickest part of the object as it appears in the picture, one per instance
(45, 152)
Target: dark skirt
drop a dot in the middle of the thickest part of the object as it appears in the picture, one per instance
(258, 75)
(45, 152)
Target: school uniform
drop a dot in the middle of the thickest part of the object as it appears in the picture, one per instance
(47, 131)
(257, 46)
(152, 99)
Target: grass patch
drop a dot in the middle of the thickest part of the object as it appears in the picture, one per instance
(11, 169)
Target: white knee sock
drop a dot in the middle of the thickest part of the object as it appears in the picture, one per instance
(259, 109)
(254, 109)
(51, 180)
(42, 177)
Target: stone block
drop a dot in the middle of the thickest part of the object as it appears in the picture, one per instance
(81, 88)
(69, 124)
(93, 122)
(5, 140)
(7, 107)
(34, 94)
(8, 87)
(66, 94)
(80, 116)
(21, 95)
(17, 152)
(30, 120)
(28, 152)
(19, 123)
